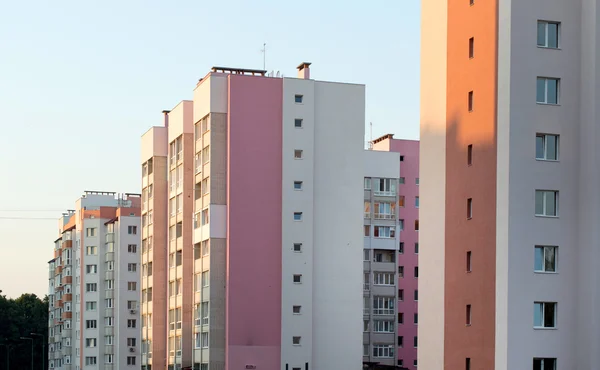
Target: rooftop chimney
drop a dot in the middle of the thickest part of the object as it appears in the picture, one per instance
(166, 113)
(304, 70)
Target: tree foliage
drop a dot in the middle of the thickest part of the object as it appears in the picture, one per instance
(18, 318)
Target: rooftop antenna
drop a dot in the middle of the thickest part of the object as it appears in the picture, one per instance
(264, 51)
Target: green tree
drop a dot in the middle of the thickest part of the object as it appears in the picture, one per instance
(18, 318)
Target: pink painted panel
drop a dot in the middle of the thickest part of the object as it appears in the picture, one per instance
(253, 313)
(409, 169)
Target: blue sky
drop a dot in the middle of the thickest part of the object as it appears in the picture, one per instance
(80, 81)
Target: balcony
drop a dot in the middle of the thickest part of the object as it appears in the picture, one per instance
(109, 330)
(110, 237)
(68, 297)
(384, 193)
(110, 256)
(109, 312)
(384, 216)
(58, 270)
(67, 280)
(110, 275)
(109, 350)
(67, 244)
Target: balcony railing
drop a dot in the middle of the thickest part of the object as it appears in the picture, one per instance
(366, 287)
(383, 311)
(110, 237)
(385, 216)
(385, 193)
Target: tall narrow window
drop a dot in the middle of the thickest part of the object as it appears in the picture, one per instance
(468, 318)
(468, 363)
(469, 208)
(470, 103)
(470, 155)
(469, 261)
(471, 47)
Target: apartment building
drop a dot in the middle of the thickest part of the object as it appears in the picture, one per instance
(381, 238)
(510, 203)
(408, 247)
(260, 269)
(94, 285)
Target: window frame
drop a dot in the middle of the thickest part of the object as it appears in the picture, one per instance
(546, 44)
(543, 264)
(542, 308)
(546, 79)
(544, 213)
(544, 138)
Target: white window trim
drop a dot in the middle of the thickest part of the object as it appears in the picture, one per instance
(544, 137)
(558, 37)
(546, 79)
(556, 200)
(543, 247)
(542, 316)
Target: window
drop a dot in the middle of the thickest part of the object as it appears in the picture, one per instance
(544, 364)
(383, 278)
(297, 278)
(471, 47)
(132, 305)
(205, 159)
(400, 341)
(400, 317)
(204, 216)
(367, 230)
(417, 202)
(132, 286)
(401, 180)
(544, 315)
(546, 203)
(385, 232)
(91, 306)
(91, 287)
(131, 323)
(91, 324)
(296, 310)
(400, 271)
(384, 187)
(416, 248)
(130, 360)
(91, 231)
(416, 317)
(401, 248)
(382, 210)
(383, 305)
(89, 360)
(365, 326)
(110, 265)
(416, 294)
(132, 230)
(132, 248)
(470, 155)
(109, 321)
(132, 267)
(298, 154)
(416, 274)
(297, 247)
(383, 326)
(470, 102)
(467, 363)
(546, 147)
(367, 183)
(401, 201)
(90, 342)
(415, 341)
(548, 34)
(384, 256)
(205, 278)
(91, 269)
(108, 359)
(545, 258)
(296, 340)
(298, 98)
(469, 208)
(298, 123)
(297, 185)
(130, 342)
(416, 225)
(383, 350)
(469, 261)
(205, 313)
(400, 294)
(401, 158)
(91, 251)
(401, 224)
(468, 318)
(547, 90)
(417, 181)
(297, 216)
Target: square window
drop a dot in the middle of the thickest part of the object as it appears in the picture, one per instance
(401, 158)
(296, 310)
(296, 341)
(401, 180)
(297, 247)
(297, 185)
(544, 364)
(298, 123)
(298, 154)
(297, 278)
(298, 98)
(469, 261)
(470, 101)
(546, 203)
(548, 34)
(471, 47)
(546, 147)
(547, 90)
(297, 216)
(545, 258)
(468, 319)
(544, 315)
(470, 155)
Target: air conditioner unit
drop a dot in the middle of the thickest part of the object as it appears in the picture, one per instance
(131, 349)
(132, 312)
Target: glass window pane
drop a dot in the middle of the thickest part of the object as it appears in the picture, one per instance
(541, 90)
(537, 314)
(549, 315)
(551, 146)
(552, 35)
(539, 258)
(539, 202)
(552, 91)
(541, 34)
(550, 203)
(550, 259)
(539, 147)
(537, 364)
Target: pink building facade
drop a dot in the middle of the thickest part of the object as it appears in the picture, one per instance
(268, 265)
(408, 256)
